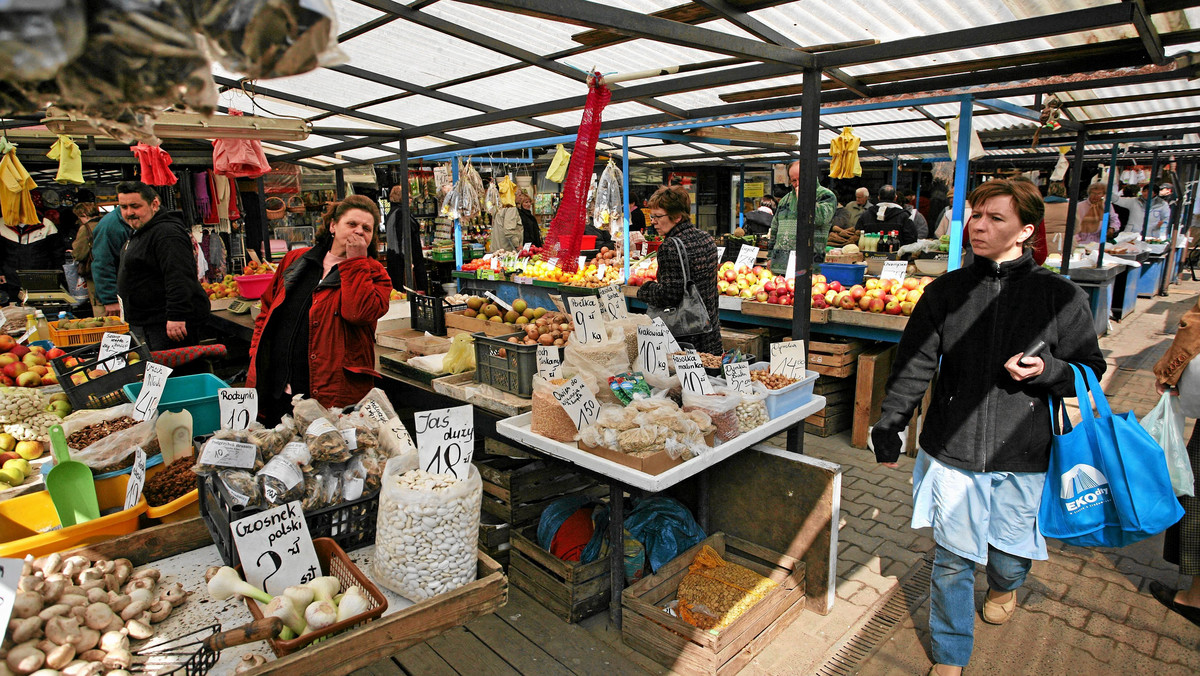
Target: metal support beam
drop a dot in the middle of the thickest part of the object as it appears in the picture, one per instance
(1147, 33)
(895, 169)
(1153, 173)
(1073, 204)
(962, 163)
(1108, 200)
(806, 204)
(1023, 112)
(625, 269)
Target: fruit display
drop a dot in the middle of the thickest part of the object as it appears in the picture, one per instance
(226, 288)
(14, 469)
(885, 296)
(88, 323)
(26, 366)
(519, 316)
(397, 295)
(646, 271)
(94, 374)
(259, 268)
(757, 283)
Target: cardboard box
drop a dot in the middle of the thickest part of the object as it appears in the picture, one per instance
(652, 464)
(457, 320)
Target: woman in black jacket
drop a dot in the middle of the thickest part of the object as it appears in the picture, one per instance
(985, 443)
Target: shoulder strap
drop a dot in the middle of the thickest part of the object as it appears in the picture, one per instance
(683, 259)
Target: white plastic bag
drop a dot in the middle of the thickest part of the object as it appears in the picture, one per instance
(1165, 424)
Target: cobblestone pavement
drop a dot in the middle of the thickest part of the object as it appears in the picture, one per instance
(1082, 611)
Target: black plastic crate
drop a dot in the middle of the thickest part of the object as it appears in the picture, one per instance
(103, 391)
(350, 524)
(503, 365)
(429, 313)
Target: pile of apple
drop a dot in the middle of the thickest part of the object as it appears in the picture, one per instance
(647, 271)
(757, 283)
(883, 296)
(26, 366)
(14, 460)
(226, 288)
(259, 268)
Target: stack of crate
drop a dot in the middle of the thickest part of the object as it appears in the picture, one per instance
(836, 359)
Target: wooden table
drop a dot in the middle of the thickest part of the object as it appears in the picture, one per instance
(230, 324)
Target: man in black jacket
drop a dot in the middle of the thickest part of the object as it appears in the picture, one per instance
(158, 280)
(886, 215)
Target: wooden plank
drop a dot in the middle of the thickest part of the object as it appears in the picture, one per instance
(381, 668)
(571, 645)
(421, 659)
(874, 366)
(845, 396)
(826, 386)
(834, 371)
(764, 639)
(523, 654)
(665, 647)
(875, 320)
(467, 654)
(550, 592)
(150, 544)
(831, 411)
(832, 346)
(493, 446)
(832, 359)
(525, 541)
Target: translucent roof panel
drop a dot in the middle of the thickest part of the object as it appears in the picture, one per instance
(614, 111)
(353, 14)
(420, 55)
(326, 85)
(419, 110)
(493, 131)
(526, 86)
(539, 36)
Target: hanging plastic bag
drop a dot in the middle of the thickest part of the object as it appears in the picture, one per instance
(1165, 423)
(492, 200)
(558, 166)
(609, 209)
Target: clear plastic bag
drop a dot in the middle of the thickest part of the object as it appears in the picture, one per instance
(282, 479)
(115, 451)
(373, 411)
(354, 479)
(325, 441)
(721, 407)
(232, 449)
(549, 419)
(752, 411)
(598, 360)
(38, 38)
(609, 210)
(1165, 424)
(395, 440)
(270, 38)
(241, 486)
(491, 200)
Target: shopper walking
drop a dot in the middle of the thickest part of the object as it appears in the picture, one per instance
(316, 333)
(758, 222)
(669, 209)
(1182, 543)
(985, 443)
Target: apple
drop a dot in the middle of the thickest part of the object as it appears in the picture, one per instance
(819, 279)
(6, 342)
(877, 305)
(6, 381)
(40, 370)
(924, 282)
(7, 442)
(33, 359)
(29, 379)
(892, 308)
(733, 290)
(845, 301)
(911, 283)
(875, 293)
(30, 450)
(906, 307)
(791, 284)
(5, 457)
(730, 275)
(836, 286)
(15, 369)
(761, 297)
(901, 294)
(747, 294)
(51, 378)
(11, 477)
(830, 297)
(8, 358)
(19, 464)
(820, 287)
(858, 291)
(914, 296)
(37, 349)
(872, 283)
(864, 302)
(721, 286)
(19, 351)
(769, 286)
(819, 302)
(55, 353)
(758, 270)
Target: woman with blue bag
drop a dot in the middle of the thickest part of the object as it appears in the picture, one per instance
(985, 443)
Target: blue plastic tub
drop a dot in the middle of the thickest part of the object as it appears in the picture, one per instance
(848, 274)
(197, 394)
(789, 398)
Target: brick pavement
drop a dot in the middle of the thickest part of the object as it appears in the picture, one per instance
(1082, 611)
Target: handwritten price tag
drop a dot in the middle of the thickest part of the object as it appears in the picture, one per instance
(652, 349)
(672, 344)
(720, 252)
(239, 407)
(137, 478)
(582, 262)
(748, 255)
(894, 270)
(276, 548)
(375, 412)
(737, 374)
(113, 344)
(691, 373)
(446, 440)
(787, 358)
(579, 403)
(791, 268)
(612, 303)
(226, 453)
(589, 325)
(10, 575)
(497, 301)
(548, 362)
(152, 390)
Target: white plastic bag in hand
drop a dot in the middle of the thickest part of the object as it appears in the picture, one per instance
(1165, 424)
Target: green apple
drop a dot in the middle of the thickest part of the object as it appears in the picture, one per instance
(7, 442)
(20, 464)
(11, 476)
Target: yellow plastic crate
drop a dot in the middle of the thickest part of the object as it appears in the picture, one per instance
(73, 337)
(29, 524)
(184, 507)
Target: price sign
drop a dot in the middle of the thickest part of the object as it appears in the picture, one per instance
(526, 247)
(720, 253)
(894, 270)
(113, 344)
(226, 453)
(791, 268)
(497, 301)
(495, 264)
(152, 389)
(612, 303)
(582, 261)
(276, 548)
(446, 440)
(747, 256)
(350, 436)
(579, 403)
(548, 362)
(375, 412)
(691, 373)
(589, 325)
(603, 268)
(10, 575)
(737, 374)
(239, 407)
(672, 344)
(137, 478)
(553, 262)
(787, 358)
(652, 349)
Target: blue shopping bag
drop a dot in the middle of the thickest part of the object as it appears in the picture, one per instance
(1107, 484)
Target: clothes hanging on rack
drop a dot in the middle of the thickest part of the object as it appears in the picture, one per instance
(155, 164)
(844, 151)
(226, 205)
(239, 158)
(204, 202)
(70, 160)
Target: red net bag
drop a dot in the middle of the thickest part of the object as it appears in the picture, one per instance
(566, 230)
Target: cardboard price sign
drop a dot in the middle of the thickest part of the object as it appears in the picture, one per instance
(226, 453)
(748, 256)
(446, 440)
(612, 303)
(112, 344)
(672, 344)
(720, 252)
(137, 478)
(152, 390)
(10, 575)
(589, 325)
(894, 270)
(791, 268)
(737, 374)
(787, 358)
(691, 373)
(497, 301)
(239, 407)
(276, 548)
(548, 362)
(652, 349)
(579, 403)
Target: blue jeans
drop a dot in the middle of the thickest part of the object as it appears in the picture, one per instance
(952, 599)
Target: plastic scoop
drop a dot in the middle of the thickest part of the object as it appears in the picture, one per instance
(70, 484)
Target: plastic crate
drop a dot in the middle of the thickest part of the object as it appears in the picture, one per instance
(511, 370)
(65, 338)
(848, 274)
(103, 391)
(787, 399)
(351, 524)
(29, 524)
(196, 393)
(429, 313)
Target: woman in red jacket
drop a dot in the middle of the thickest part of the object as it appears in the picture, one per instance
(316, 333)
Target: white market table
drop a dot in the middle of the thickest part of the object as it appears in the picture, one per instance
(619, 477)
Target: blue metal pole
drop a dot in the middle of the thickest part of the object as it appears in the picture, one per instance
(1108, 195)
(741, 197)
(895, 169)
(458, 262)
(625, 190)
(962, 161)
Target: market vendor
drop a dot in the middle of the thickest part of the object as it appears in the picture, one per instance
(783, 224)
(684, 247)
(316, 333)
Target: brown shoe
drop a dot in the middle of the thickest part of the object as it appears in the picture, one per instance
(999, 612)
(935, 670)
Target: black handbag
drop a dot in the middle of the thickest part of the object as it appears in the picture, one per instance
(690, 317)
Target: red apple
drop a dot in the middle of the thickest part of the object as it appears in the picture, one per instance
(820, 287)
(911, 282)
(730, 275)
(761, 297)
(19, 351)
(836, 286)
(858, 291)
(8, 358)
(924, 282)
(892, 308)
(54, 353)
(791, 284)
(29, 379)
(906, 308)
(877, 305)
(914, 296)
(845, 301)
(819, 279)
(758, 270)
(40, 370)
(864, 303)
(33, 359)
(6, 381)
(15, 369)
(875, 293)
(819, 302)
(769, 286)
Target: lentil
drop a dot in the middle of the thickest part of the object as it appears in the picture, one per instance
(89, 435)
(172, 483)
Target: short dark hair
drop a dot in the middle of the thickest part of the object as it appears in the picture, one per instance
(336, 210)
(149, 194)
(887, 193)
(1025, 195)
(674, 200)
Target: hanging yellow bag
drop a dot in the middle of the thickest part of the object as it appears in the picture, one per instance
(461, 356)
(558, 166)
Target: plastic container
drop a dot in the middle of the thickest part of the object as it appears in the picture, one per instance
(789, 398)
(848, 274)
(101, 391)
(72, 337)
(186, 506)
(503, 365)
(196, 393)
(251, 287)
(429, 313)
(26, 520)
(587, 243)
(350, 524)
(333, 562)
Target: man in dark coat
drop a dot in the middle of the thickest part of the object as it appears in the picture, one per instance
(886, 215)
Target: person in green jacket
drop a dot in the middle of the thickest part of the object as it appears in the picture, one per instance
(108, 239)
(783, 226)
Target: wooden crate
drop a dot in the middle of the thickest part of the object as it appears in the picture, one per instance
(749, 341)
(494, 538)
(831, 419)
(834, 358)
(569, 589)
(830, 386)
(875, 320)
(844, 371)
(755, 308)
(874, 366)
(685, 649)
(517, 491)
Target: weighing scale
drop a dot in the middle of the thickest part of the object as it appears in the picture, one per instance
(240, 307)
(46, 290)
